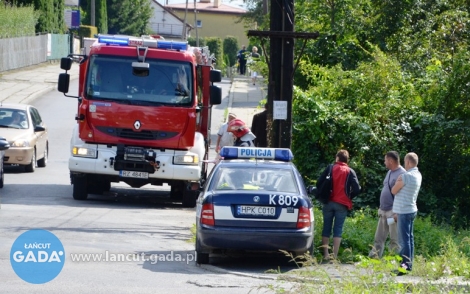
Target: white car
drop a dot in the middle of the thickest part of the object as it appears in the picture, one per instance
(23, 128)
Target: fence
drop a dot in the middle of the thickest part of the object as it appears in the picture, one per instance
(26, 51)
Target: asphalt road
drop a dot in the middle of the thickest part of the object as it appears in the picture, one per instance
(141, 223)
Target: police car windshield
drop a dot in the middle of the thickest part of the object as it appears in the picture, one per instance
(167, 82)
(256, 178)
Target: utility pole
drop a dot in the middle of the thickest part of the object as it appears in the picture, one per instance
(282, 58)
(185, 34)
(195, 23)
(92, 13)
(281, 68)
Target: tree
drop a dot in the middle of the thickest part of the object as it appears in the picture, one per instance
(230, 50)
(388, 77)
(51, 15)
(129, 17)
(101, 14)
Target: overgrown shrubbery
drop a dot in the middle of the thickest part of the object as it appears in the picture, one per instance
(377, 108)
(439, 249)
(216, 48)
(17, 21)
(230, 50)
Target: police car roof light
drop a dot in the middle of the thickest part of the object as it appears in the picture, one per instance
(280, 154)
(147, 42)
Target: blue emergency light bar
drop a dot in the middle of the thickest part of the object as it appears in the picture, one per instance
(145, 42)
(280, 154)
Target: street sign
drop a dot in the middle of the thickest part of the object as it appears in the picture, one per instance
(72, 18)
(280, 110)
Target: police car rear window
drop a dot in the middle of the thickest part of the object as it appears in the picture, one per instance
(268, 179)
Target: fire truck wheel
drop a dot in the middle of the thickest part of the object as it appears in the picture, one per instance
(189, 198)
(80, 191)
(176, 192)
(99, 187)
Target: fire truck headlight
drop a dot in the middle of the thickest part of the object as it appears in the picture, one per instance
(84, 152)
(186, 159)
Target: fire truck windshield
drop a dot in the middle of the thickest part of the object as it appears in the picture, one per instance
(112, 78)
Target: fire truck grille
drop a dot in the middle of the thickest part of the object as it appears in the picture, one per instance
(133, 135)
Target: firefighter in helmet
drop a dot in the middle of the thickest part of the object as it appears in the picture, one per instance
(244, 137)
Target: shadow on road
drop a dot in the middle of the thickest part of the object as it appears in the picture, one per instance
(119, 197)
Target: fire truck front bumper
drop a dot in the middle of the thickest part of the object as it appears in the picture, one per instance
(135, 162)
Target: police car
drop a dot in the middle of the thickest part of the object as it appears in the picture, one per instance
(254, 199)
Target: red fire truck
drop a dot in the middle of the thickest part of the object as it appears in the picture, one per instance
(143, 115)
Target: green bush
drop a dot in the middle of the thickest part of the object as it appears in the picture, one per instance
(215, 47)
(17, 21)
(231, 50)
(192, 41)
(433, 243)
(87, 31)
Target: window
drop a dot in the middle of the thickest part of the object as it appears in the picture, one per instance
(199, 23)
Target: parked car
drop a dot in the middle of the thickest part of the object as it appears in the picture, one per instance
(3, 146)
(254, 200)
(23, 128)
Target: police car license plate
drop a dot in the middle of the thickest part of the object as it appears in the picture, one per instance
(256, 210)
(134, 174)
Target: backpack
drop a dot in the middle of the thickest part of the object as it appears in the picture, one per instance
(325, 187)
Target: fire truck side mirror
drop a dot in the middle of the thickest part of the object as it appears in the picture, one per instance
(66, 63)
(216, 76)
(216, 95)
(63, 84)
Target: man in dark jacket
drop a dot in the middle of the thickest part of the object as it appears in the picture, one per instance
(242, 60)
(259, 127)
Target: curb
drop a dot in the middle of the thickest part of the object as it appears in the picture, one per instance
(230, 98)
(216, 269)
(36, 95)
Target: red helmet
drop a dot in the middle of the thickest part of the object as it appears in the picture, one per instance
(238, 128)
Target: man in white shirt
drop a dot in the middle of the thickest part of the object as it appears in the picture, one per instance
(406, 190)
(225, 138)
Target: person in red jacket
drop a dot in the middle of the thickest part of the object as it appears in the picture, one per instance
(344, 188)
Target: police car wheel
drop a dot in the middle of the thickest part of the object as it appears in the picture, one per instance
(201, 258)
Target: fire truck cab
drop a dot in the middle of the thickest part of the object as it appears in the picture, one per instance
(143, 115)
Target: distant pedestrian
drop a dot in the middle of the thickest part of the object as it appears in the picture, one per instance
(384, 228)
(244, 137)
(406, 191)
(242, 60)
(254, 57)
(344, 188)
(259, 127)
(224, 137)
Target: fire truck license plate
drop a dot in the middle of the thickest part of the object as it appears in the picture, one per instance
(134, 174)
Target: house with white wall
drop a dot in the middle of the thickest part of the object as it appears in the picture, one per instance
(166, 23)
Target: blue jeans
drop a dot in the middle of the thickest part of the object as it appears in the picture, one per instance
(336, 212)
(406, 238)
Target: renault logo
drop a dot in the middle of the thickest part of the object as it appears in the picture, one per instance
(256, 199)
(137, 125)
